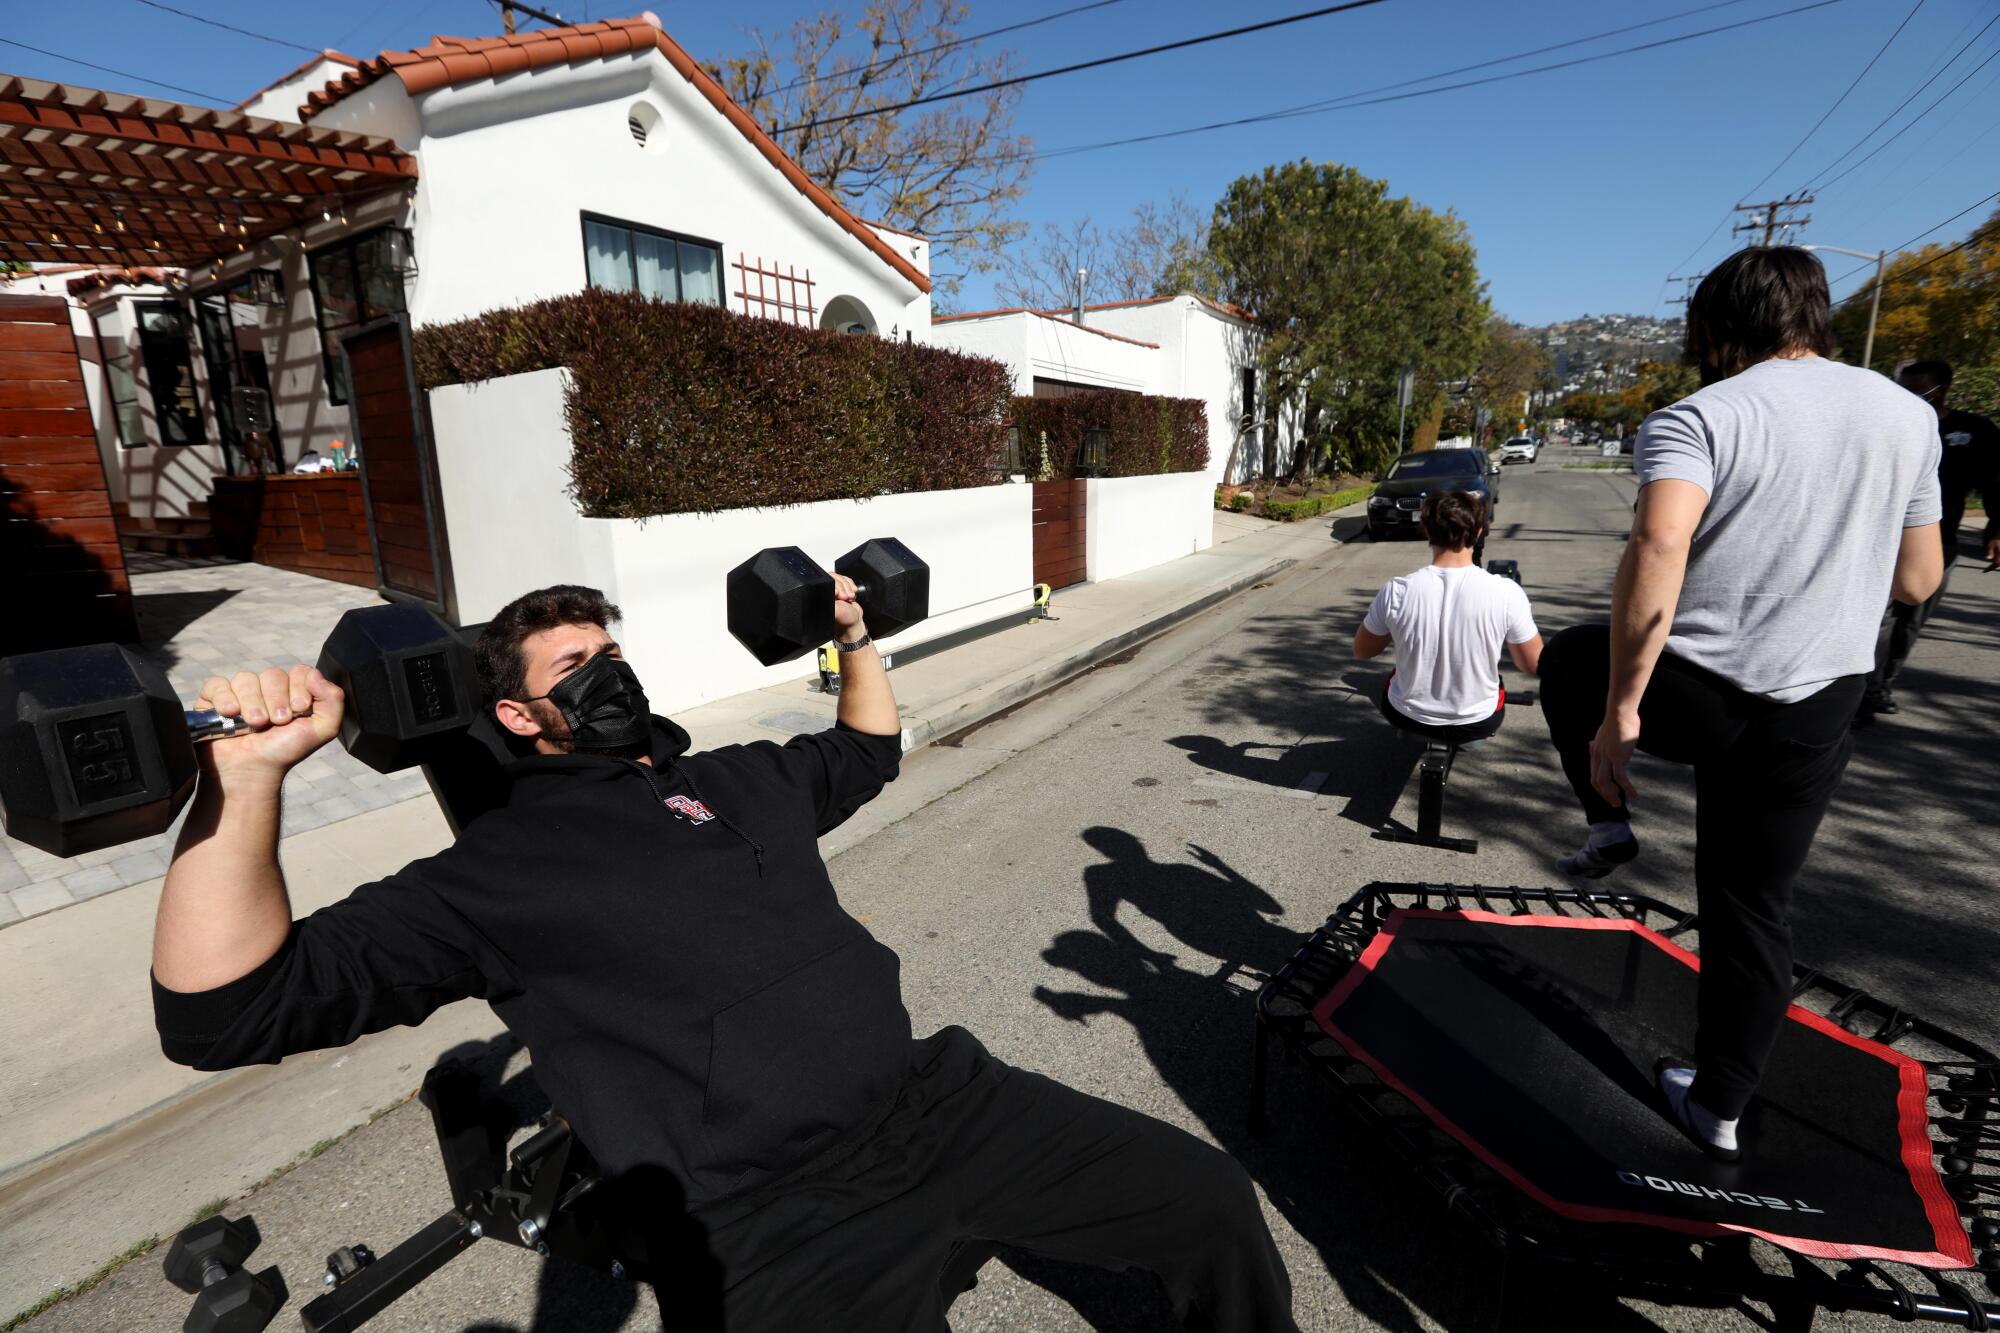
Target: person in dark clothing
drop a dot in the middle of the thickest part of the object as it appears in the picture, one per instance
(659, 930)
(1740, 651)
(1969, 460)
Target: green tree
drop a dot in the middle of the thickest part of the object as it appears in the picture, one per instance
(1346, 286)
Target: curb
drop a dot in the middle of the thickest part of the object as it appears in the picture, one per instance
(928, 731)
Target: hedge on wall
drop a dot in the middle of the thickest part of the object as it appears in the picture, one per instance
(678, 408)
(1148, 434)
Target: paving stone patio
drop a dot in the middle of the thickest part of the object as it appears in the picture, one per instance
(197, 619)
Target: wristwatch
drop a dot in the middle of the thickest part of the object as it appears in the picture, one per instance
(856, 646)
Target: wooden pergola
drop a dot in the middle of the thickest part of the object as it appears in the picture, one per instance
(90, 177)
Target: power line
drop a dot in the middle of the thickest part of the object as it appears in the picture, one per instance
(1879, 53)
(1098, 63)
(230, 27)
(1971, 240)
(123, 74)
(1863, 159)
(1817, 182)
(1354, 100)
(953, 44)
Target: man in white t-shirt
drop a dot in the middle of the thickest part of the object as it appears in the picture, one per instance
(1447, 623)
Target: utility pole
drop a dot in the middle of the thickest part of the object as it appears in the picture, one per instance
(1768, 217)
(508, 7)
(1688, 281)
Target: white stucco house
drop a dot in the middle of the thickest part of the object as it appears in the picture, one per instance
(544, 162)
(1181, 346)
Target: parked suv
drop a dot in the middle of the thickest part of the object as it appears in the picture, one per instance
(1521, 447)
(1393, 508)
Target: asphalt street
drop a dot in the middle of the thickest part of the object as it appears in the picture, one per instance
(1100, 904)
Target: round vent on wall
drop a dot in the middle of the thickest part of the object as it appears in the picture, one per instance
(643, 123)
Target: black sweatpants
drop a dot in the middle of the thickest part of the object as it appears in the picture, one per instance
(1763, 775)
(976, 1154)
(1901, 626)
(1462, 733)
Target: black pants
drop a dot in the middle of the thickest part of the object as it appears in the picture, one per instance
(1763, 774)
(1457, 734)
(976, 1154)
(1901, 624)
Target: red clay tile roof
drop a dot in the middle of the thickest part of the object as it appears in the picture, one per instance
(1059, 317)
(454, 60)
(340, 57)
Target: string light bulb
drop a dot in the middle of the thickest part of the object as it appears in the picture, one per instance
(326, 214)
(343, 215)
(120, 214)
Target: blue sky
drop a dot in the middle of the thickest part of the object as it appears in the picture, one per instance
(1583, 187)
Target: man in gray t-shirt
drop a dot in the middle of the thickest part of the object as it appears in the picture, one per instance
(1812, 470)
(1779, 507)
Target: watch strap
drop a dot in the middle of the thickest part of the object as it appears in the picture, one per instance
(856, 646)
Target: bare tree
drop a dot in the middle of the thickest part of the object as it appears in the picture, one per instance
(1162, 251)
(951, 171)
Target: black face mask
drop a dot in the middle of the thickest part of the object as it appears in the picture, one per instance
(604, 705)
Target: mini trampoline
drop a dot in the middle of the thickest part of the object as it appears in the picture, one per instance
(1504, 1040)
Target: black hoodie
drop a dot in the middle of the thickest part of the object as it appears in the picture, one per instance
(666, 942)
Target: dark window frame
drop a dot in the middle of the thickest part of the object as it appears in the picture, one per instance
(161, 411)
(586, 218)
(348, 248)
(118, 432)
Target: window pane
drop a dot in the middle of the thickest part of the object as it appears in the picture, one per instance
(654, 258)
(336, 374)
(701, 274)
(163, 341)
(333, 288)
(608, 257)
(381, 285)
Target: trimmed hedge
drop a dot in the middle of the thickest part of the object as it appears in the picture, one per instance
(677, 408)
(1287, 511)
(1149, 434)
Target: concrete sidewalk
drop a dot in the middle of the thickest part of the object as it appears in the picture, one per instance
(108, 1143)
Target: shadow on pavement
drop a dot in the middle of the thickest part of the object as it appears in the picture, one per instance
(1398, 1257)
(163, 615)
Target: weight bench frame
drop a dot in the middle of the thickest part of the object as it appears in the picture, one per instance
(1657, 1265)
(1433, 772)
(536, 1198)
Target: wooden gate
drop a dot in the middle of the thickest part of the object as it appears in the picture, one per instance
(66, 581)
(1059, 532)
(391, 427)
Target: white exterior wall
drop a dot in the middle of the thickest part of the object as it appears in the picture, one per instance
(1134, 523)
(281, 101)
(513, 528)
(1032, 345)
(1206, 352)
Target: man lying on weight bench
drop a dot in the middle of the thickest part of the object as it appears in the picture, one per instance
(659, 930)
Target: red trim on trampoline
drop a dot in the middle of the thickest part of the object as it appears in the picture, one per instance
(1954, 1245)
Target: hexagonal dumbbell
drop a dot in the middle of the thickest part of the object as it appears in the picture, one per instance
(95, 750)
(781, 602)
(207, 1259)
